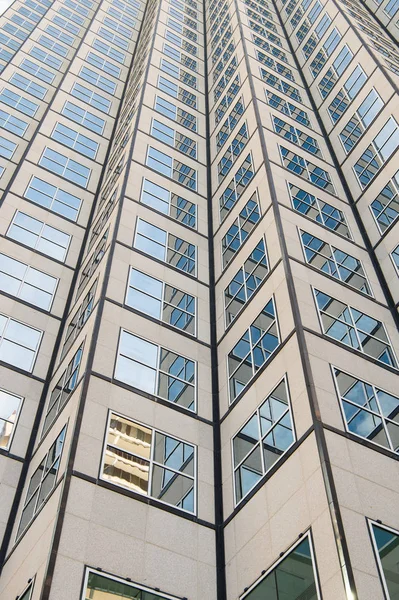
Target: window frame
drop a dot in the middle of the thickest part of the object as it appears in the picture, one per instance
(15, 423)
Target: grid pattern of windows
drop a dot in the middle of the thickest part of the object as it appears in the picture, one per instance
(307, 170)
(287, 108)
(281, 85)
(42, 482)
(233, 151)
(262, 441)
(335, 262)
(169, 203)
(236, 187)
(150, 462)
(246, 281)
(161, 301)
(39, 236)
(296, 136)
(240, 230)
(10, 406)
(369, 412)
(323, 213)
(360, 120)
(253, 350)
(354, 328)
(166, 165)
(27, 283)
(350, 90)
(177, 140)
(377, 153)
(156, 370)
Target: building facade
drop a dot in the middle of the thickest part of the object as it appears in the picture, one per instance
(199, 277)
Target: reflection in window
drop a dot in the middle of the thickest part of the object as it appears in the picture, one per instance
(319, 211)
(377, 153)
(287, 108)
(385, 207)
(53, 198)
(335, 262)
(42, 482)
(307, 170)
(240, 230)
(253, 350)
(150, 462)
(39, 236)
(19, 343)
(164, 246)
(246, 281)
(236, 187)
(386, 542)
(168, 203)
(156, 370)
(354, 328)
(360, 120)
(369, 411)
(262, 441)
(293, 578)
(65, 167)
(161, 301)
(296, 136)
(106, 587)
(10, 405)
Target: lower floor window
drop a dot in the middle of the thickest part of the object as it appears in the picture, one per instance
(149, 462)
(107, 587)
(293, 577)
(386, 543)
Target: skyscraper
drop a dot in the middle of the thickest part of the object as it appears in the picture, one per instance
(199, 276)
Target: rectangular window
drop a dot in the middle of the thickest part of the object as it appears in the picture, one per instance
(42, 482)
(236, 187)
(60, 35)
(7, 147)
(262, 441)
(173, 138)
(161, 301)
(287, 108)
(105, 65)
(168, 203)
(98, 80)
(360, 120)
(30, 67)
(52, 45)
(269, 48)
(166, 165)
(83, 117)
(19, 343)
(79, 319)
(28, 86)
(39, 236)
(240, 230)
(53, 198)
(275, 66)
(46, 58)
(175, 113)
(166, 247)
(113, 38)
(325, 51)
(233, 152)
(152, 463)
(90, 97)
(377, 153)
(350, 90)
(245, 282)
(307, 170)
(72, 139)
(156, 370)
(96, 583)
(27, 283)
(296, 136)
(332, 75)
(62, 391)
(253, 350)
(229, 124)
(108, 50)
(180, 74)
(227, 100)
(353, 328)
(335, 262)
(65, 167)
(18, 102)
(10, 406)
(280, 85)
(93, 262)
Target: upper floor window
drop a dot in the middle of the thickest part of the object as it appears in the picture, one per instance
(307, 170)
(227, 99)
(176, 91)
(108, 50)
(105, 65)
(52, 45)
(90, 97)
(156, 370)
(46, 58)
(354, 328)
(337, 68)
(229, 124)
(360, 120)
(152, 463)
(236, 187)
(276, 66)
(296, 136)
(71, 138)
(335, 262)
(19, 343)
(7, 147)
(26, 282)
(42, 482)
(10, 406)
(323, 213)
(287, 108)
(368, 411)
(246, 281)
(113, 38)
(161, 301)
(377, 153)
(240, 230)
(166, 165)
(53, 198)
(232, 152)
(39, 236)
(78, 321)
(83, 117)
(169, 203)
(253, 350)
(65, 167)
(173, 138)
(262, 441)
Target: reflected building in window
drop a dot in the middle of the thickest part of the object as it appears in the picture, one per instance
(199, 276)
